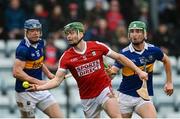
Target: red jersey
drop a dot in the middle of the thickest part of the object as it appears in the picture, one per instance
(87, 68)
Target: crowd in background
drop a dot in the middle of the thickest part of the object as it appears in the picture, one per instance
(105, 20)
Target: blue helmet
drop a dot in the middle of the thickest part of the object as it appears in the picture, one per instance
(32, 24)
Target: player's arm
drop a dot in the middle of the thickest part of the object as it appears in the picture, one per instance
(20, 74)
(168, 88)
(127, 62)
(56, 81)
(47, 72)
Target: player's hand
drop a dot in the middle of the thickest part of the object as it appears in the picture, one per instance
(109, 71)
(143, 75)
(36, 87)
(32, 87)
(168, 88)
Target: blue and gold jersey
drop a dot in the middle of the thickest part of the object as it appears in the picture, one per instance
(33, 56)
(131, 81)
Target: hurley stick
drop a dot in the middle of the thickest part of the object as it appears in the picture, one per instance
(143, 92)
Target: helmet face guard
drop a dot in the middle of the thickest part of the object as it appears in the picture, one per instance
(138, 25)
(74, 26)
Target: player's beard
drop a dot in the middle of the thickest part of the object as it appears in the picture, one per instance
(75, 44)
(138, 43)
(33, 42)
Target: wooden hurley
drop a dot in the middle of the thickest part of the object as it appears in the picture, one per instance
(143, 92)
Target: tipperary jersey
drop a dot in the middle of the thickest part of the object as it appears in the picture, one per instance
(33, 56)
(87, 68)
(131, 81)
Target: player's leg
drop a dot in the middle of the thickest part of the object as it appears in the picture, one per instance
(111, 106)
(50, 107)
(25, 114)
(146, 110)
(127, 104)
(53, 111)
(25, 105)
(126, 115)
(109, 103)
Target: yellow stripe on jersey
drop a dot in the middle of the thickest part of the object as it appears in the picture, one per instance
(126, 71)
(34, 64)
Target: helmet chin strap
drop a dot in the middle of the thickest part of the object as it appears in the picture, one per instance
(75, 44)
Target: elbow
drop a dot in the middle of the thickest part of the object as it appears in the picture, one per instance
(167, 62)
(15, 73)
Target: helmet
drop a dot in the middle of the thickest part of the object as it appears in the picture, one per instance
(138, 25)
(78, 26)
(32, 24)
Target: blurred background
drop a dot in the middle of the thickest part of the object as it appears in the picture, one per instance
(105, 21)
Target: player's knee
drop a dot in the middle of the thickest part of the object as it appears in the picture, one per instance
(54, 114)
(118, 115)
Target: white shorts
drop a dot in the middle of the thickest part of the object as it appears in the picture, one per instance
(128, 103)
(28, 101)
(92, 107)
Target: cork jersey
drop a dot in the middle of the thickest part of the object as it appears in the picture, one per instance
(87, 68)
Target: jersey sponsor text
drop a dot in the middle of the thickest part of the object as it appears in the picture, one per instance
(88, 68)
